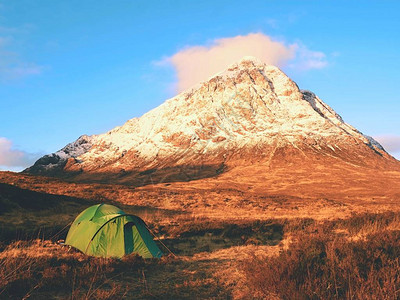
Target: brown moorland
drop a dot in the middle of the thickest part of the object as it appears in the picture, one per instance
(315, 233)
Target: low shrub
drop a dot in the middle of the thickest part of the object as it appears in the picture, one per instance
(23, 271)
(324, 266)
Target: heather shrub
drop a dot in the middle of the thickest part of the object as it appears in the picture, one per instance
(323, 266)
(24, 273)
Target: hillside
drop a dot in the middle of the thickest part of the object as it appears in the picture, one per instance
(249, 114)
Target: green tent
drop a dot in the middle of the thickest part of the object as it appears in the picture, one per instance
(105, 230)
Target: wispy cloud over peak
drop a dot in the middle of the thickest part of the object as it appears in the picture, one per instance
(307, 59)
(197, 63)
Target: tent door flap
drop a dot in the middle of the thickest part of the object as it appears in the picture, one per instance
(128, 237)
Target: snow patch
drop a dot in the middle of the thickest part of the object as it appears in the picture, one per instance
(250, 104)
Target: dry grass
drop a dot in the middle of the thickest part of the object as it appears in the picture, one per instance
(331, 261)
(361, 226)
(224, 237)
(44, 269)
(41, 269)
(315, 260)
(318, 192)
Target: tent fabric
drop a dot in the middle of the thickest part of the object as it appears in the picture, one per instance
(106, 231)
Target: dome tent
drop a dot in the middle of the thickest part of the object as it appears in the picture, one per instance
(105, 230)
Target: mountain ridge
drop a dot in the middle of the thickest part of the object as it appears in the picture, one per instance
(241, 114)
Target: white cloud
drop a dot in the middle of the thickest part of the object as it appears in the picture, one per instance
(11, 65)
(391, 143)
(273, 23)
(194, 64)
(307, 59)
(9, 71)
(12, 159)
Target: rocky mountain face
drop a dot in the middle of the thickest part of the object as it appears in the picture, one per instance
(251, 113)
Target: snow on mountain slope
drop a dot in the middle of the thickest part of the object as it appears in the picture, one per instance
(245, 112)
(55, 162)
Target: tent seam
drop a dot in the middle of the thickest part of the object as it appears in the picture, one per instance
(106, 224)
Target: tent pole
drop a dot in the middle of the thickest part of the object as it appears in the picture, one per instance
(159, 240)
(61, 230)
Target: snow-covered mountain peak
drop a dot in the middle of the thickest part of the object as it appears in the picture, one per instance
(247, 61)
(249, 110)
(244, 65)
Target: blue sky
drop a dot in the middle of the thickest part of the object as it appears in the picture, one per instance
(69, 68)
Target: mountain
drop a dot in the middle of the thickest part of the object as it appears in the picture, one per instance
(249, 114)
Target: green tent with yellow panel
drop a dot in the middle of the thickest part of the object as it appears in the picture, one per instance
(105, 230)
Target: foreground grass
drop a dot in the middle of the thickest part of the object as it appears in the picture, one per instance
(41, 269)
(355, 258)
